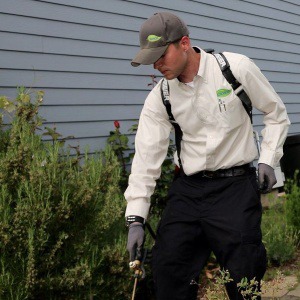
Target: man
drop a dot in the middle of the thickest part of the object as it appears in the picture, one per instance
(215, 204)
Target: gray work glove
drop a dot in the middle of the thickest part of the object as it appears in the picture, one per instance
(266, 178)
(135, 241)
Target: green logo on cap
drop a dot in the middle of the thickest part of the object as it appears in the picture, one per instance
(153, 38)
(223, 93)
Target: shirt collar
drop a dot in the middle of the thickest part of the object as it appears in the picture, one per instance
(202, 65)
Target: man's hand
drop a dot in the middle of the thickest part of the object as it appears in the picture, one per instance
(136, 235)
(266, 178)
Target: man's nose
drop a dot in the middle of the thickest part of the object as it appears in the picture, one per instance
(158, 63)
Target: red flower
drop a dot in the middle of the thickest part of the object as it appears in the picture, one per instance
(117, 124)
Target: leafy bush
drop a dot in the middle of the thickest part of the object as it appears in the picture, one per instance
(292, 204)
(60, 215)
(281, 243)
(280, 239)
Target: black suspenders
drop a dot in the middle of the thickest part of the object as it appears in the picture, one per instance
(165, 96)
(227, 73)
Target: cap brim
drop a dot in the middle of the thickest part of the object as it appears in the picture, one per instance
(148, 56)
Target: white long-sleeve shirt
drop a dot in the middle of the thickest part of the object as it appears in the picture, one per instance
(217, 132)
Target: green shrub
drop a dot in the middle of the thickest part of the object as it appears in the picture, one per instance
(280, 239)
(292, 204)
(114, 275)
(281, 243)
(60, 215)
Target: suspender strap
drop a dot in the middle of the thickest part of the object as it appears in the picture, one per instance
(227, 73)
(246, 103)
(165, 96)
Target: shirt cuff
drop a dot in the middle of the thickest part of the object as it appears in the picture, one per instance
(138, 207)
(270, 158)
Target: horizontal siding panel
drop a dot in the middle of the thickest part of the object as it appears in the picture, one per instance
(89, 129)
(240, 30)
(278, 66)
(252, 50)
(279, 5)
(57, 114)
(294, 2)
(42, 27)
(42, 79)
(66, 13)
(63, 63)
(286, 87)
(282, 77)
(40, 44)
(85, 96)
(127, 8)
(290, 98)
(246, 41)
(294, 108)
(92, 145)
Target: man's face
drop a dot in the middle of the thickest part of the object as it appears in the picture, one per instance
(173, 62)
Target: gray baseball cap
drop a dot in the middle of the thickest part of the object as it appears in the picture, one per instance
(156, 34)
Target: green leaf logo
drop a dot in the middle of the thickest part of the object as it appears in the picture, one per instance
(223, 93)
(153, 38)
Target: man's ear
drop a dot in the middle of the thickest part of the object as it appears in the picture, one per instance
(185, 43)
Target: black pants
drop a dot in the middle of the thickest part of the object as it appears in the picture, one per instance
(222, 215)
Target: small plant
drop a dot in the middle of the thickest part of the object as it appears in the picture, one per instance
(119, 144)
(281, 243)
(292, 204)
(216, 289)
(249, 288)
(281, 239)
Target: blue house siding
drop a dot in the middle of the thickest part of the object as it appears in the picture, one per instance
(79, 53)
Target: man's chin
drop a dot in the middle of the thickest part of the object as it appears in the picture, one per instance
(169, 76)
